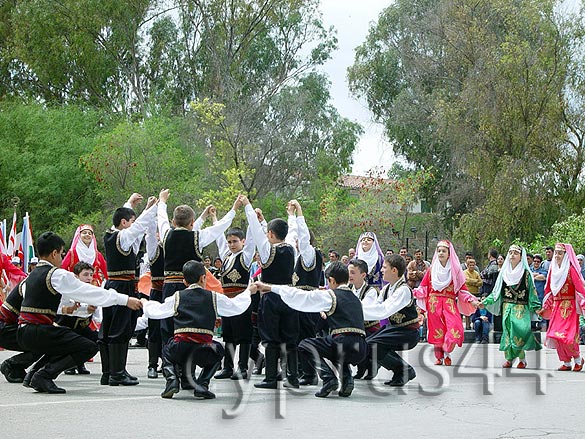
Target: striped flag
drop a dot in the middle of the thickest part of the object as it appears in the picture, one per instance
(26, 243)
(11, 244)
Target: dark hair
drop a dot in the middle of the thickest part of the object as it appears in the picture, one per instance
(360, 264)
(338, 271)
(396, 261)
(122, 213)
(80, 266)
(537, 256)
(494, 253)
(529, 255)
(404, 248)
(207, 257)
(48, 242)
(549, 248)
(335, 253)
(408, 255)
(217, 258)
(237, 232)
(193, 270)
(418, 250)
(279, 227)
(469, 254)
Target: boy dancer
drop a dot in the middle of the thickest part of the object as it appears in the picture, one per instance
(195, 310)
(346, 345)
(277, 323)
(42, 291)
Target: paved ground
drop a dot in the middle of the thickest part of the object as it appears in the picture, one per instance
(474, 398)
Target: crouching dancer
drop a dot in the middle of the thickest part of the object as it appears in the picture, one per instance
(194, 311)
(346, 343)
(42, 291)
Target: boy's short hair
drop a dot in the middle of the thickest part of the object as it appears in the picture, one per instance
(122, 213)
(237, 232)
(80, 266)
(48, 242)
(360, 264)
(192, 271)
(183, 215)
(338, 271)
(279, 227)
(396, 261)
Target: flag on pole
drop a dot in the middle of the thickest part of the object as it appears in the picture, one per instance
(11, 245)
(26, 243)
(3, 236)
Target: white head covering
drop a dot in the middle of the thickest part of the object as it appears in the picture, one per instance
(513, 276)
(558, 275)
(373, 255)
(84, 253)
(441, 276)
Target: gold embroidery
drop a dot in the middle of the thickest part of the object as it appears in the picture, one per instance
(566, 307)
(193, 331)
(519, 310)
(295, 279)
(432, 302)
(518, 341)
(439, 334)
(560, 335)
(234, 276)
(348, 331)
(398, 317)
(333, 303)
(451, 305)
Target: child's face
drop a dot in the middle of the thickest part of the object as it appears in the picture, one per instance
(235, 244)
(86, 276)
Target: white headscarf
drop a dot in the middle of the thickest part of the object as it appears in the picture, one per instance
(373, 255)
(84, 253)
(440, 276)
(513, 276)
(558, 275)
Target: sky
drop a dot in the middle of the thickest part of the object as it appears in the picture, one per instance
(352, 20)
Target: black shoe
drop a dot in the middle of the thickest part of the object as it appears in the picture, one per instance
(202, 392)
(81, 370)
(152, 373)
(266, 385)
(12, 375)
(307, 381)
(71, 371)
(224, 373)
(327, 388)
(398, 379)
(259, 365)
(41, 382)
(240, 374)
(105, 379)
(279, 376)
(291, 384)
(346, 388)
(186, 385)
(120, 379)
(368, 377)
(171, 388)
(360, 373)
(28, 378)
(130, 377)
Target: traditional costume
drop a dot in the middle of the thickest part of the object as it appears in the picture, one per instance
(443, 296)
(562, 305)
(79, 251)
(514, 297)
(373, 257)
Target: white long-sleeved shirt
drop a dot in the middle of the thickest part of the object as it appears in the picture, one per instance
(398, 298)
(227, 257)
(302, 300)
(226, 307)
(206, 235)
(132, 236)
(65, 283)
(371, 295)
(258, 234)
(302, 236)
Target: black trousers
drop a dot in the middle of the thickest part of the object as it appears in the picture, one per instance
(341, 350)
(387, 341)
(167, 326)
(201, 354)
(118, 321)
(308, 324)
(57, 343)
(238, 329)
(8, 341)
(277, 322)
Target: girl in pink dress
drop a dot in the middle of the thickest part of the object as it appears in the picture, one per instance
(84, 248)
(563, 302)
(442, 295)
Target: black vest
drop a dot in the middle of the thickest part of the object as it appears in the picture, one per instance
(308, 278)
(157, 264)
(118, 261)
(407, 315)
(13, 301)
(236, 275)
(516, 294)
(346, 314)
(195, 311)
(279, 268)
(361, 294)
(180, 245)
(40, 296)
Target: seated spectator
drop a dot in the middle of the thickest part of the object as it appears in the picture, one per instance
(482, 321)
